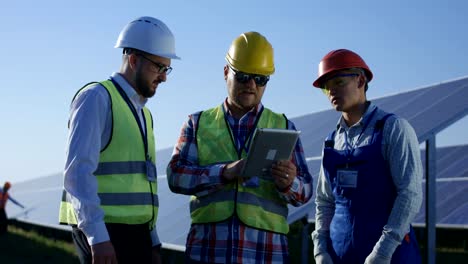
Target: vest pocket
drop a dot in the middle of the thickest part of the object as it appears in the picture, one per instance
(341, 231)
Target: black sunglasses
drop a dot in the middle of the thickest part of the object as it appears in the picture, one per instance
(160, 68)
(242, 77)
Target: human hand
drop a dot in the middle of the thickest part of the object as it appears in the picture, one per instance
(103, 253)
(283, 173)
(323, 258)
(156, 255)
(233, 169)
(375, 258)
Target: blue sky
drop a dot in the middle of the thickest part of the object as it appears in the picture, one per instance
(52, 48)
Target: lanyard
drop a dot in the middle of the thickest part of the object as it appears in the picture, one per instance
(248, 139)
(351, 147)
(137, 118)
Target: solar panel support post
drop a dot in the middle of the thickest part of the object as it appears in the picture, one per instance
(430, 200)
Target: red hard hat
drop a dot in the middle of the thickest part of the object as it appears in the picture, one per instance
(340, 59)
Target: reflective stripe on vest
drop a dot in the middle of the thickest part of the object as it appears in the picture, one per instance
(246, 198)
(260, 207)
(125, 194)
(121, 167)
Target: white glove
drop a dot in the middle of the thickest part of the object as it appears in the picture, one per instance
(323, 258)
(375, 258)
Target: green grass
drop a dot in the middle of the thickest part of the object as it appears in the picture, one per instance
(20, 246)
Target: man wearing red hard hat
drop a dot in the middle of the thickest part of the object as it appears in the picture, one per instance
(4, 197)
(369, 187)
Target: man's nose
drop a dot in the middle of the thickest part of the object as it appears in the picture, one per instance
(251, 83)
(163, 77)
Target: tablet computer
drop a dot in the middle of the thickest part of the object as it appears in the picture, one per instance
(268, 145)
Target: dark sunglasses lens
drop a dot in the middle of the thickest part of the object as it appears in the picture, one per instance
(261, 80)
(242, 77)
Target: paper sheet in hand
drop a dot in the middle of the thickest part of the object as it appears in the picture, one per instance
(268, 145)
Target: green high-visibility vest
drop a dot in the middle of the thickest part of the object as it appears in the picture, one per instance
(259, 207)
(126, 194)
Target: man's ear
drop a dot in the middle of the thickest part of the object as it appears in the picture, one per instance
(362, 81)
(226, 72)
(132, 60)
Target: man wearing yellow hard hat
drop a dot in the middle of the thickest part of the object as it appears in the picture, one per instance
(237, 220)
(4, 197)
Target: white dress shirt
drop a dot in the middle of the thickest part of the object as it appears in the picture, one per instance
(90, 127)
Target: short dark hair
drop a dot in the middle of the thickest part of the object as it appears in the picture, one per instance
(128, 51)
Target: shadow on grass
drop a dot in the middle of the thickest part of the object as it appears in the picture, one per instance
(15, 248)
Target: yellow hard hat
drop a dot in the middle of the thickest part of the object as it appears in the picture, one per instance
(251, 53)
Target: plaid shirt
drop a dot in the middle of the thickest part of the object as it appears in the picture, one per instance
(231, 241)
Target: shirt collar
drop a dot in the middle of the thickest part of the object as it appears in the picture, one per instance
(129, 90)
(254, 111)
(342, 124)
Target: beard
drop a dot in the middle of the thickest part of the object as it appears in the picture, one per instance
(146, 89)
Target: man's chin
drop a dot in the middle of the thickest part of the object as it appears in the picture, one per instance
(149, 94)
(338, 108)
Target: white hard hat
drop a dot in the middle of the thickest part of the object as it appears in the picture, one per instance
(150, 35)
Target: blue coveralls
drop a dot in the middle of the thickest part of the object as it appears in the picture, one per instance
(362, 211)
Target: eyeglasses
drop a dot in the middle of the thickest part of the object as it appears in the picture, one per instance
(242, 77)
(158, 67)
(337, 80)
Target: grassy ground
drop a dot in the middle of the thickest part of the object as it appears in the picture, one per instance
(19, 246)
(452, 247)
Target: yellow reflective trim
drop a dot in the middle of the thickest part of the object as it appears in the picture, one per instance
(67, 215)
(215, 212)
(255, 216)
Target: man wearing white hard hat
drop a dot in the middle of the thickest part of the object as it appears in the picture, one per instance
(110, 182)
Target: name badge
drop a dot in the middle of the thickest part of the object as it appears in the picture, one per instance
(151, 174)
(347, 178)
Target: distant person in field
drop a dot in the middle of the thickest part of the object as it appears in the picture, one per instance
(4, 197)
(369, 187)
(110, 180)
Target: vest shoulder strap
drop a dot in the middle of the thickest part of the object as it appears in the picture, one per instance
(79, 90)
(330, 140)
(197, 123)
(381, 122)
(84, 86)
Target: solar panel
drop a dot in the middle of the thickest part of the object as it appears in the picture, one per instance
(452, 203)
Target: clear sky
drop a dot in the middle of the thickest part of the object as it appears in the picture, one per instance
(51, 48)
